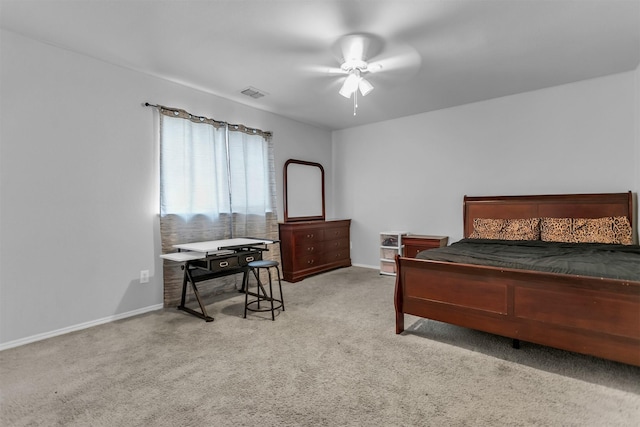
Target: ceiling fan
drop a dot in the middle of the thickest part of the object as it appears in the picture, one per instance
(360, 54)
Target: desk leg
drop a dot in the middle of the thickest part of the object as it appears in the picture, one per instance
(184, 286)
(245, 279)
(188, 278)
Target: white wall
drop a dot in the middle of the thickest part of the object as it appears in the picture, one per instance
(637, 152)
(78, 200)
(411, 173)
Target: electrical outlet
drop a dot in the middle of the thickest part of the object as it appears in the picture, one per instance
(144, 276)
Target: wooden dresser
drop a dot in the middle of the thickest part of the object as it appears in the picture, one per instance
(311, 247)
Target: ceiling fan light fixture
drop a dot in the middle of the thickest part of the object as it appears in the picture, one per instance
(356, 49)
(350, 84)
(365, 87)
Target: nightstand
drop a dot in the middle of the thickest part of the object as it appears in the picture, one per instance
(414, 243)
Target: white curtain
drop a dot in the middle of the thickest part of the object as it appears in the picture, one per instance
(194, 177)
(251, 197)
(249, 167)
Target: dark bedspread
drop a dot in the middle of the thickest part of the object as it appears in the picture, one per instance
(586, 259)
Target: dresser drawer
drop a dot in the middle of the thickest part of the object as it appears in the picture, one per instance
(336, 233)
(334, 245)
(338, 255)
(311, 235)
(310, 261)
(308, 248)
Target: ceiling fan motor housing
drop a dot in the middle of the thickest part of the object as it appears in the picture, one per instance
(354, 64)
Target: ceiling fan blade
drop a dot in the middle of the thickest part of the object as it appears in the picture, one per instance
(403, 61)
(322, 70)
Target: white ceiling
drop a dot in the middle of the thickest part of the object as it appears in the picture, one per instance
(462, 51)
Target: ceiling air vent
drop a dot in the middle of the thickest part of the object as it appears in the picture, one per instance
(253, 92)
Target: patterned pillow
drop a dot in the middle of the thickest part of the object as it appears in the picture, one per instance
(485, 228)
(556, 229)
(622, 229)
(615, 230)
(506, 229)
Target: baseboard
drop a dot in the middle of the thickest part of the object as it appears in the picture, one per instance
(373, 267)
(43, 336)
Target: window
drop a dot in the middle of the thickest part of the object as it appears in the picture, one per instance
(207, 169)
(249, 174)
(217, 181)
(193, 169)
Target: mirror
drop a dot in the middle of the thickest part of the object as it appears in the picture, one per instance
(303, 191)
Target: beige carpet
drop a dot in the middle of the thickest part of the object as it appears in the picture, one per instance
(331, 359)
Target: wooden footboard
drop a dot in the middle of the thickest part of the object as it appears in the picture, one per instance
(598, 317)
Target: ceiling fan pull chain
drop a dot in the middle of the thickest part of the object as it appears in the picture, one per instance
(355, 102)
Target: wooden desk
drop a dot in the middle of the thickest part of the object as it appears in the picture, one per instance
(212, 259)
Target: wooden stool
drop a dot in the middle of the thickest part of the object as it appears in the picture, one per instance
(254, 267)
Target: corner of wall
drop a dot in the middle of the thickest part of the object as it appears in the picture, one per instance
(637, 153)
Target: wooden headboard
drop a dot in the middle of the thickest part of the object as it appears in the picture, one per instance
(555, 206)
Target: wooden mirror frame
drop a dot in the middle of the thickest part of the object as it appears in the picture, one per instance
(288, 189)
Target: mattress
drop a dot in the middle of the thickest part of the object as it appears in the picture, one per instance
(585, 259)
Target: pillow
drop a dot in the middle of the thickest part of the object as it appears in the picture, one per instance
(556, 229)
(506, 229)
(485, 228)
(622, 229)
(613, 230)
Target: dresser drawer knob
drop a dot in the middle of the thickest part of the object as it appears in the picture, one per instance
(249, 259)
(310, 249)
(310, 236)
(224, 264)
(310, 261)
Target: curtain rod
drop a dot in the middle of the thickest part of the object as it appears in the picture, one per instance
(240, 128)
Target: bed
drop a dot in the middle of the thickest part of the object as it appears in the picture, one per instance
(588, 314)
